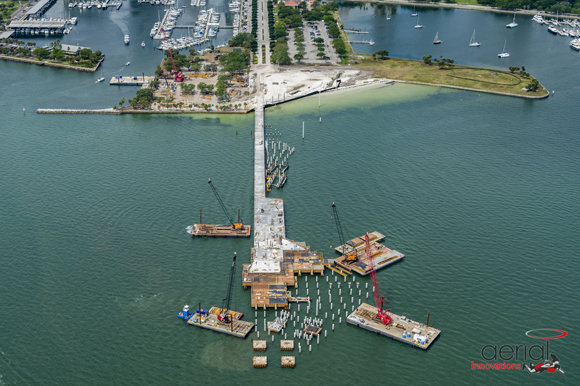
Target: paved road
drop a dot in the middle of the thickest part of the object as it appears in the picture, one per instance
(263, 32)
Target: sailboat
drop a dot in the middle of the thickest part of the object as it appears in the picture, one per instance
(513, 24)
(414, 13)
(472, 42)
(436, 40)
(504, 53)
(418, 25)
(389, 15)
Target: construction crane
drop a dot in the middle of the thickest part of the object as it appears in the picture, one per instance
(225, 315)
(349, 256)
(379, 300)
(176, 73)
(237, 225)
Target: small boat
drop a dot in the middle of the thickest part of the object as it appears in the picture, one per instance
(504, 53)
(126, 39)
(389, 15)
(414, 13)
(100, 79)
(553, 30)
(437, 40)
(418, 25)
(142, 44)
(513, 24)
(472, 42)
(128, 63)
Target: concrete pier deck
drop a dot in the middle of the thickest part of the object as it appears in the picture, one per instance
(274, 259)
(421, 336)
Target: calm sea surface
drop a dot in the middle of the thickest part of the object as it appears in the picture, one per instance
(480, 193)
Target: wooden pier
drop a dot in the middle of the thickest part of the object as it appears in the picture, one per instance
(208, 230)
(237, 328)
(402, 329)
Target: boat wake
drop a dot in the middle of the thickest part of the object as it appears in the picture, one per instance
(189, 229)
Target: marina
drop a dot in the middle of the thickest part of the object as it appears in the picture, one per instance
(401, 329)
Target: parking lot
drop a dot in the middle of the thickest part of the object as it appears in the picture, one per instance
(312, 30)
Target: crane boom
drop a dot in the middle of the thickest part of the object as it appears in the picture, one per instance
(225, 315)
(379, 300)
(217, 195)
(350, 256)
(177, 74)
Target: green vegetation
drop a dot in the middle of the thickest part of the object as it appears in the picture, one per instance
(7, 8)
(280, 52)
(460, 76)
(53, 54)
(180, 60)
(244, 40)
(255, 23)
(540, 5)
(381, 54)
(143, 98)
(235, 62)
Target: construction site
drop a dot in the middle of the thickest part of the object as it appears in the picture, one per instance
(277, 266)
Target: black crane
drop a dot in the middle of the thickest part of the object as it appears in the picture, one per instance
(237, 225)
(226, 315)
(350, 256)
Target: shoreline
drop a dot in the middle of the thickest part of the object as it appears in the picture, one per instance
(484, 8)
(372, 82)
(51, 64)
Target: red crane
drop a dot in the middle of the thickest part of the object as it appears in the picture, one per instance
(178, 76)
(379, 300)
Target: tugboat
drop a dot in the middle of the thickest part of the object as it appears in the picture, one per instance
(126, 39)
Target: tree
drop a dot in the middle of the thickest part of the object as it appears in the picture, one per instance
(41, 53)
(122, 102)
(298, 57)
(533, 85)
(427, 59)
(514, 69)
(201, 86)
(382, 54)
(319, 40)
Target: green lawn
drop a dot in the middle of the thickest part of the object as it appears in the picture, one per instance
(461, 76)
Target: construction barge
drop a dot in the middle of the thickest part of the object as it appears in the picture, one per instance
(380, 254)
(400, 328)
(210, 321)
(208, 230)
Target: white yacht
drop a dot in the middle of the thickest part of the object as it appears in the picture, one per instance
(472, 42)
(100, 79)
(504, 53)
(538, 18)
(126, 39)
(513, 24)
(128, 63)
(414, 13)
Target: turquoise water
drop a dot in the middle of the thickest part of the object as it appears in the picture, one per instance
(479, 192)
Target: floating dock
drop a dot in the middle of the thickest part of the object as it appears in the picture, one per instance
(381, 255)
(208, 230)
(209, 321)
(120, 80)
(401, 329)
(287, 345)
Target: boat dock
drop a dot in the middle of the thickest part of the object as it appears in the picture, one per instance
(209, 321)
(120, 80)
(402, 329)
(208, 230)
